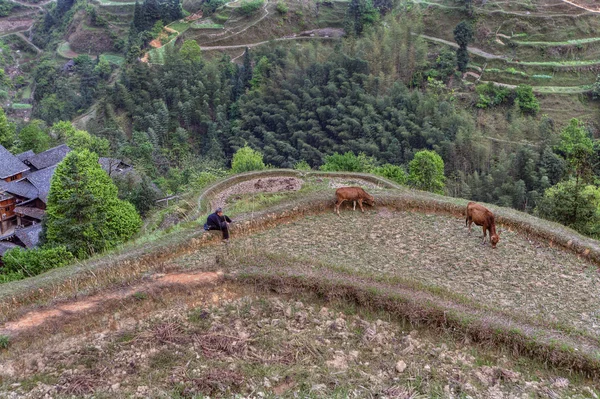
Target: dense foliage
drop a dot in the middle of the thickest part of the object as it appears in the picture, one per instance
(84, 213)
(20, 263)
(426, 172)
(246, 159)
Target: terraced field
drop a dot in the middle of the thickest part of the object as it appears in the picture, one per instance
(521, 41)
(397, 302)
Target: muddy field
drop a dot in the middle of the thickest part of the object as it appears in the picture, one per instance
(524, 277)
(226, 341)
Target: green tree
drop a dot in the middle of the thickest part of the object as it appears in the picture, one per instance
(246, 159)
(302, 165)
(76, 139)
(33, 137)
(84, 213)
(359, 14)
(7, 131)
(526, 100)
(463, 35)
(260, 73)
(426, 172)
(393, 172)
(190, 51)
(573, 205)
(577, 148)
(596, 89)
(347, 162)
(103, 68)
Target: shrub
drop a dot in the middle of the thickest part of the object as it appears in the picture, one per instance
(206, 177)
(347, 162)
(596, 89)
(19, 262)
(282, 8)
(250, 7)
(573, 205)
(393, 172)
(4, 341)
(426, 172)
(526, 100)
(302, 165)
(246, 159)
(491, 95)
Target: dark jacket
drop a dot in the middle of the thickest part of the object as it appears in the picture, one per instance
(215, 221)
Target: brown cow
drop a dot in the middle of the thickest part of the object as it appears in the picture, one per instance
(482, 216)
(352, 194)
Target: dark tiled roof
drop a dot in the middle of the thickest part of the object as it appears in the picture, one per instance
(5, 246)
(30, 211)
(41, 181)
(30, 236)
(9, 164)
(113, 166)
(22, 188)
(5, 196)
(49, 157)
(24, 156)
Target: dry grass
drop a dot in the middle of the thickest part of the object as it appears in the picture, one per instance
(523, 275)
(256, 344)
(403, 244)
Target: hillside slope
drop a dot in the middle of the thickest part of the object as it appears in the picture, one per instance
(157, 311)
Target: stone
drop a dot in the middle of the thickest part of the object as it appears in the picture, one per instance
(400, 366)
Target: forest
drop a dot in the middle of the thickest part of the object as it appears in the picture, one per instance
(372, 100)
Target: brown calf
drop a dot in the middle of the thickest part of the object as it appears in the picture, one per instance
(352, 194)
(482, 216)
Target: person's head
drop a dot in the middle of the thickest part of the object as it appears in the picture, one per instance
(219, 211)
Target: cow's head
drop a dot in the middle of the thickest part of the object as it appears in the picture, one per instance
(494, 239)
(370, 200)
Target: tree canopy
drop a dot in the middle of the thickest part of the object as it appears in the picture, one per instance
(83, 212)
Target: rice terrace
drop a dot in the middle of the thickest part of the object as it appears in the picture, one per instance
(398, 302)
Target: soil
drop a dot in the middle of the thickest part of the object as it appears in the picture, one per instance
(90, 41)
(521, 275)
(224, 341)
(70, 310)
(262, 185)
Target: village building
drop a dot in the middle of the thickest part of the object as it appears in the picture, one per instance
(24, 187)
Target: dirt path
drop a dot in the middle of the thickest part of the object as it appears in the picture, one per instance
(39, 5)
(250, 45)
(36, 48)
(225, 34)
(595, 11)
(472, 50)
(72, 309)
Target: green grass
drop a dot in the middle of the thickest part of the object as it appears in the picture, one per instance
(203, 25)
(21, 106)
(26, 93)
(64, 50)
(157, 55)
(557, 44)
(113, 58)
(179, 26)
